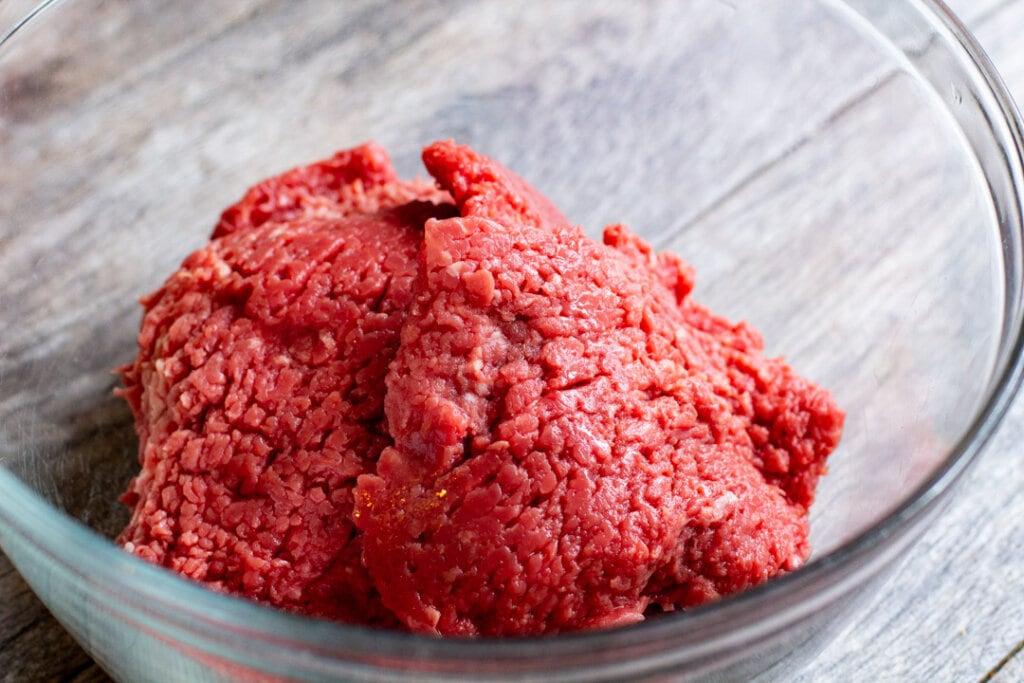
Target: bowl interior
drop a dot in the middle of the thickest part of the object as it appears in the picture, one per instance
(819, 188)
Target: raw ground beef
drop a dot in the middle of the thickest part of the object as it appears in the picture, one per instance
(446, 409)
(259, 385)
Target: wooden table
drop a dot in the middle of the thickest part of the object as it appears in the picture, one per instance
(952, 611)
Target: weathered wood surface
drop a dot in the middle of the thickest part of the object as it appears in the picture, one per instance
(952, 611)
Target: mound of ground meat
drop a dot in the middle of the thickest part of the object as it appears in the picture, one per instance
(446, 409)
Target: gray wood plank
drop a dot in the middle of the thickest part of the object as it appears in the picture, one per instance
(953, 610)
(1010, 669)
(33, 645)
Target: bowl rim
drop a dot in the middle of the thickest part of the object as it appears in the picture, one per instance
(218, 623)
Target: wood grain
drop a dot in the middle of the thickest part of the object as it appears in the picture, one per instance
(1010, 669)
(952, 611)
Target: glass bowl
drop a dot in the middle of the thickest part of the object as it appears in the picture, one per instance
(845, 175)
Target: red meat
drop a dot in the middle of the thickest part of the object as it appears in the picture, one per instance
(258, 387)
(569, 447)
(363, 402)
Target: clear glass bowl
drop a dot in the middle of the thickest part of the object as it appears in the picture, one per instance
(845, 175)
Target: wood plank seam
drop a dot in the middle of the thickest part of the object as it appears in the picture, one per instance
(1017, 649)
(761, 169)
